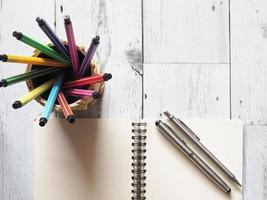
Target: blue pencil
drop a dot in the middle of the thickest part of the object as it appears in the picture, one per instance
(51, 99)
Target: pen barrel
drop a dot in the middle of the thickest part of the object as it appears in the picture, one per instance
(36, 92)
(209, 172)
(180, 143)
(34, 61)
(45, 49)
(185, 130)
(30, 75)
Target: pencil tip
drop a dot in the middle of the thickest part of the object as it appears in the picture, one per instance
(17, 35)
(107, 76)
(71, 119)
(96, 95)
(17, 104)
(42, 121)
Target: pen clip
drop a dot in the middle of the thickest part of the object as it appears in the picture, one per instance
(189, 129)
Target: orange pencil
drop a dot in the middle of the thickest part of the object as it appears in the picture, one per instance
(65, 107)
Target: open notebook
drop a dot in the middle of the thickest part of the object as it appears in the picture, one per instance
(92, 160)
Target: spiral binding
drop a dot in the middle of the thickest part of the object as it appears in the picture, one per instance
(139, 164)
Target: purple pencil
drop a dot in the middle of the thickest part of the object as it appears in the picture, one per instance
(88, 57)
(83, 93)
(72, 45)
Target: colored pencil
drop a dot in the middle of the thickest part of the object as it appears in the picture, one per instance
(53, 37)
(88, 57)
(33, 94)
(65, 107)
(83, 93)
(88, 80)
(43, 48)
(72, 45)
(51, 99)
(26, 76)
(31, 60)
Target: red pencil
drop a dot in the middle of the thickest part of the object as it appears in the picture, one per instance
(88, 80)
(65, 107)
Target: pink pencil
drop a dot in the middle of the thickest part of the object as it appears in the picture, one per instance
(83, 93)
(72, 45)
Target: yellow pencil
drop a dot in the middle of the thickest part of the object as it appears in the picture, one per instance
(31, 60)
(33, 94)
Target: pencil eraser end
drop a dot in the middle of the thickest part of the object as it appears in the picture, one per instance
(157, 122)
(42, 121)
(107, 76)
(71, 119)
(17, 104)
(17, 35)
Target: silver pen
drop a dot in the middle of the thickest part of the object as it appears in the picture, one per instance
(180, 143)
(195, 139)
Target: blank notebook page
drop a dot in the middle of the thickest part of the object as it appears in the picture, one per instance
(91, 160)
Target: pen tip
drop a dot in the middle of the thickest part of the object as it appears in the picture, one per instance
(157, 122)
(96, 95)
(236, 181)
(16, 104)
(40, 21)
(67, 19)
(17, 35)
(3, 57)
(3, 83)
(96, 40)
(42, 121)
(71, 119)
(107, 76)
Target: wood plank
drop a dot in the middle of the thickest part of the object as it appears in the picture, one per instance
(255, 162)
(188, 90)
(248, 60)
(118, 23)
(186, 31)
(16, 125)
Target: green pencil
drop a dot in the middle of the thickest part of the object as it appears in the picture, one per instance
(26, 76)
(43, 48)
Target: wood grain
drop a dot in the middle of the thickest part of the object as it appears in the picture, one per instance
(248, 60)
(16, 125)
(186, 31)
(188, 90)
(118, 23)
(255, 162)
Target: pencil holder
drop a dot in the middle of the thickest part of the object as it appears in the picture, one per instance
(75, 103)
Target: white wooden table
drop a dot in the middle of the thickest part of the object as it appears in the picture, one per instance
(197, 58)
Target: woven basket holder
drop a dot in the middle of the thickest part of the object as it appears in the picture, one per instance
(82, 104)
